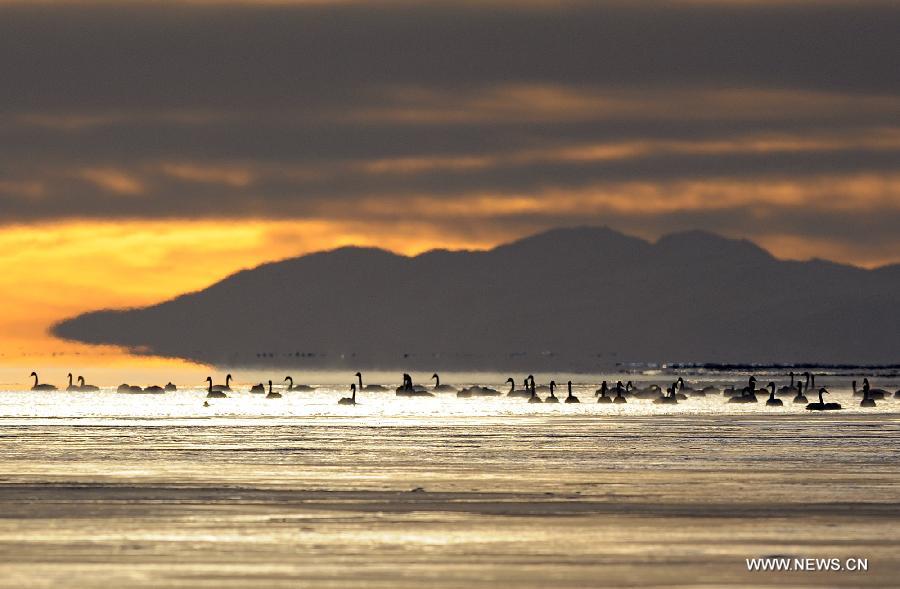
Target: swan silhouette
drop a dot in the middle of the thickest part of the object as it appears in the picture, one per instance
(351, 400)
(154, 390)
(867, 400)
(41, 387)
(552, 398)
(772, 401)
(441, 388)
(685, 390)
(534, 398)
(788, 389)
(368, 387)
(170, 387)
(71, 386)
(297, 387)
(514, 392)
(748, 393)
(258, 388)
(478, 391)
(127, 388)
(800, 398)
(407, 389)
(874, 393)
(620, 397)
(222, 387)
(602, 398)
(822, 405)
(271, 394)
(86, 387)
(571, 398)
(670, 398)
(212, 392)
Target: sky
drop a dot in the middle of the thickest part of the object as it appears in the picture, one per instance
(151, 148)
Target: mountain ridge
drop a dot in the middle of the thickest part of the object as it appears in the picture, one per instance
(583, 298)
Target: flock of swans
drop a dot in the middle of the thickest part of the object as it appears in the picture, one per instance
(620, 393)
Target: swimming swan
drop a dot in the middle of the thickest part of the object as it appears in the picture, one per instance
(800, 398)
(212, 393)
(351, 400)
(620, 397)
(602, 398)
(670, 398)
(368, 387)
(772, 401)
(441, 388)
(223, 387)
(258, 388)
(271, 394)
(71, 386)
(552, 398)
(514, 392)
(534, 398)
(86, 387)
(822, 405)
(41, 387)
(297, 387)
(571, 398)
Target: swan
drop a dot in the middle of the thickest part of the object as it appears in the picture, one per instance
(731, 390)
(41, 387)
(407, 389)
(127, 388)
(297, 387)
(867, 400)
(748, 394)
(552, 398)
(788, 389)
(271, 394)
(571, 398)
(351, 400)
(619, 398)
(86, 387)
(822, 405)
(212, 392)
(709, 390)
(514, 392)
(670, 398)
(686, 390)
(258, 388)
(71, 386)
(170, 387)
(602, 398)
(368, 387)
(478, 391)
(874, 393)
(154, 390)
(772, 401)
(223, 387)
(441, 388)
(800, 398)
(534, 398)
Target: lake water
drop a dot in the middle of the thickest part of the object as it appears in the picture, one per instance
(158, 491)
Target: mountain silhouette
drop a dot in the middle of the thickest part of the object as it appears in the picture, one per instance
(573, 299)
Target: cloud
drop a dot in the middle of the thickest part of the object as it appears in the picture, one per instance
(769, 119)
